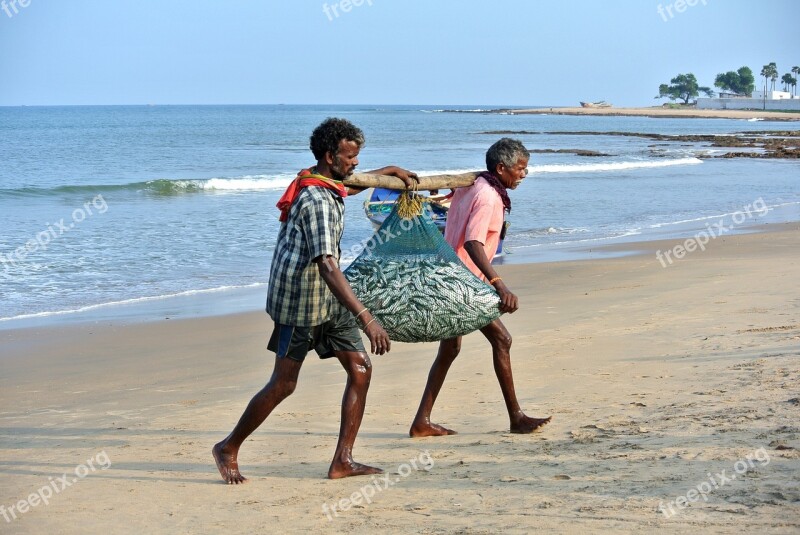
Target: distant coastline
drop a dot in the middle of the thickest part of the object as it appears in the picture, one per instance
(657, 112)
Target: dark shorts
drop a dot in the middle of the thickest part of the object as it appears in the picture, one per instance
(340, 333)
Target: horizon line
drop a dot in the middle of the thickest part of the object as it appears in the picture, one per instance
(492, 106)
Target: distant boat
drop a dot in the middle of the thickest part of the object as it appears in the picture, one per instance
(598, 104)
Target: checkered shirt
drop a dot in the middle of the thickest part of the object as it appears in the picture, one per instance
(297, 293)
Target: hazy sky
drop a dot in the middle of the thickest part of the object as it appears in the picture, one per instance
(500, 52)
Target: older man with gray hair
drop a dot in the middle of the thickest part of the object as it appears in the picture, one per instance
(475, 226)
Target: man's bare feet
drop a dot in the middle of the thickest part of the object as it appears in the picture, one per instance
(526, 424)
(227, 465)
(427, 429)
(351, 468)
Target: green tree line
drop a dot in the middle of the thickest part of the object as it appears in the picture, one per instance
(741, 82)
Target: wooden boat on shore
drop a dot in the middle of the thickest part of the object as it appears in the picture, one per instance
(598, 104)
(381, 202)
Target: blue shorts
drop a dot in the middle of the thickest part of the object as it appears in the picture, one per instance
(340, 333)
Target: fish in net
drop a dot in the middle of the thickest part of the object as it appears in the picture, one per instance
(413, 282)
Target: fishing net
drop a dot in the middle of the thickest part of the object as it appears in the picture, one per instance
(413, 282)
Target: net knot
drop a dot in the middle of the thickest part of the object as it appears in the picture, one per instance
(409, 205)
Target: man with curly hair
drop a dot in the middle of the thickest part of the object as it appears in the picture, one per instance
(310, 300)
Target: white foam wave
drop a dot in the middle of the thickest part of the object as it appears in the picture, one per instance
(268, 182)
(547, 231)
(612, 166)
(448, 172)
(280, 182)
(759, 212)
(622, 234)
(132, 301)
(244, 183)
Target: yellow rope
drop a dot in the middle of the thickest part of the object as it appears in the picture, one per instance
(409, 205)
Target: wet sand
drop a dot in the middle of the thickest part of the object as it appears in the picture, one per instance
(658, 380)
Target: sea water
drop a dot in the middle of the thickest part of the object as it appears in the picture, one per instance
(172, 208)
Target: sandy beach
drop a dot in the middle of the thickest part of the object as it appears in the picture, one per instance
(661, 112)
(660, 380)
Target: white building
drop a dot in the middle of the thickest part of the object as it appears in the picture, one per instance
(774, 95)
(775, 100)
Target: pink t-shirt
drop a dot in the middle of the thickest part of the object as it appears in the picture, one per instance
(476, 213)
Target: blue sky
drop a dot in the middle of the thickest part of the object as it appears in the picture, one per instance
(504, 52)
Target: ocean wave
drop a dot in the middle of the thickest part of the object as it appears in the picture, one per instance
(612, 166)
(545, 231)
(244, 183)
(164, 186)
(454, 171)
(614, 236)
(132, 301)
(763, 210)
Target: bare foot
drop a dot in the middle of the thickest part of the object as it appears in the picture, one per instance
(227, 465)
(527, 424)
(339, 470)
(428, 429)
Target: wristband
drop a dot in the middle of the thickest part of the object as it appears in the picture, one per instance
(367, 325)
(495, 280)
(359, 314)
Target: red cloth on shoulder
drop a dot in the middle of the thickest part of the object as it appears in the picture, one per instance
(307, 178)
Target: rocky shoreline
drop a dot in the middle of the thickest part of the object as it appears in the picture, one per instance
(776, 144)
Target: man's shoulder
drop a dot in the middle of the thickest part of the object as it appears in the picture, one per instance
(480, 199)
(315, 194)
(484, 193)
(315, 197)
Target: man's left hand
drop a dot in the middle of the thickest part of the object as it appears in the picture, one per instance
(508, 301)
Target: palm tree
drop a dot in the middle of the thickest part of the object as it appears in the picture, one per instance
(769, 72)
(796, 72)
(773, 74)
(765, 71)
(787, 81)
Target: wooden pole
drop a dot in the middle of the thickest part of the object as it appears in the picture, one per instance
(426, 183)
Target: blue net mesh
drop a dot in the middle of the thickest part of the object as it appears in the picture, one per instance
(413, 282)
